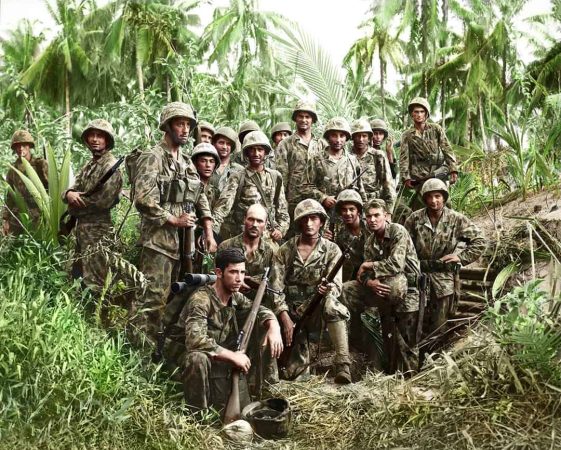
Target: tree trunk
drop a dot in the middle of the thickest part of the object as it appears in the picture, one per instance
(503, 81)
(168, 88)
(443, 103)
(482, 124)
(140, 78)
(67, 102)
(382, 76)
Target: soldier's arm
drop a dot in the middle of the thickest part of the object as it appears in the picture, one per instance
(404, 158)
(446, 149)
(226, 200)
(281, 211)
(394, 264)
(107, 196)
(78, 185)
(196, 326)
(147, 193)
(388, 193)
(312, 184)
(333, 256)
(475, 241)
(278, 271)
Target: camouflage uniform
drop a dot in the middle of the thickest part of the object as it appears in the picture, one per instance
(210, 327)
(396, 264)
(377, 180)
(356, 255)
(432, 243)
(220, 179)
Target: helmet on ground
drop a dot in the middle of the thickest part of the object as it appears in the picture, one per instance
(22, 137)
(308, 207)
(205, 148)
(269, 418)
(178, 109)
(349, 196)
(256, 138)
(204, 125)
(101, 125)
(398, 291)
(361, 126)
(281, 126)
(337, 124)
(419, 101)
(303, 106)
(379, 124)
(239, 431)
(433, 185)
(247, 127)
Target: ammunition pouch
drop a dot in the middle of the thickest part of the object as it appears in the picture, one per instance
(179, 190)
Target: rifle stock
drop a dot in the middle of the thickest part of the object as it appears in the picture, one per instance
(187, 245)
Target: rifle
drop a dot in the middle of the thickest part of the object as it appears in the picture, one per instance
(442, 174)
(422, 285)
(232, 410)
(333, 210)
(66, 226)
(187, 244)
(314, 303)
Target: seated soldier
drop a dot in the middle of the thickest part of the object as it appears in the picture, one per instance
(387, 280)
(212, 319)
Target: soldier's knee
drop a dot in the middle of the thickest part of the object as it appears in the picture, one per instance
(335, 311)
(197, 360)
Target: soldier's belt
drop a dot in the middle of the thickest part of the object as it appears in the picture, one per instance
(435, 266)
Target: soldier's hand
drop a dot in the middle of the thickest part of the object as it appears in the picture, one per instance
(410, 184)
(287, 327)
(327, 234)
(273, 339)
(276, 235)
(185, 220)
(75, 200)
(329, 202)
(241, 361)
(380, 289)
(365, 266)
(450, 258)
(324, 288)
(244, 289)
(453, 177)
(210, 243)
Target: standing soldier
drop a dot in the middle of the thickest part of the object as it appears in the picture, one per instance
(225, 141)
(381, 133)
(377, 179)
(22, 143)
(254, 184)
(205, 132)
(437, 232)
(298, 269)
(388, 280)
(93, 212)
(166, 186)
(279, 132)
(205, 159)
(245, 128)
(425, 151)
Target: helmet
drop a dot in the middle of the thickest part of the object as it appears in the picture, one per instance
(337, 124)
(307, 207)
(257, 138)
(305, 107)
(434, 184)
(376, 203)
(349, 196)
(203, 125)
(101, 125)
(205, 148)
(226, 132)
(22, 137)
(379, 124)
(281, 126)
(178, 109)
(420, 101)
(269, 418)
(247, 127)
(398, 291)
(239, 431)
(361, 126)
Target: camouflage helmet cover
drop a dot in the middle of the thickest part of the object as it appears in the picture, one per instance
(205, 148)
(247, 127)
(204, 125)
(269, 418)
(255, 138)
(101, 125)
(349, 196)
(178, 109)
(228, 133)
(337, 124)
(307, 207)
(419, 101)
(379, 124)
(376, 203)
(361, 126)
(281, 126)
(433, 185)
(22, 137)
(303, 106)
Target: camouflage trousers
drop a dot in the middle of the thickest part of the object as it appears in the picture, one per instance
(207, 383)
(89, 238)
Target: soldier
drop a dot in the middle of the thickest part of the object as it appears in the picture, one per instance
(279, 132)
(22, 143)
(425, 150)
(377, 179)
(387, 280)
(93, 212)
(206, 160)
(205, 132)
(254, 184)
(294, 152)
(298, 269)
(211, 321)
(245, 128)
(166, 185)
(225, 142)
(381, 133)
(437, 232)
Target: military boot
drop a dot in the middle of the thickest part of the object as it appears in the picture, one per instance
(340, 341)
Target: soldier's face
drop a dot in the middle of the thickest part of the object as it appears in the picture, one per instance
(23, 150)
(419, 114)
(256, 155)
(232, 276)
(336, 140)
(97, 142)
(434, 200)
(254, 223)
(205, 136)
(279, 136)
(179, 128)
(378, 137)
(376, 220)
(349, 213)
(223, 146)
(205, 166)
(361, 140)
(303, 120)
(310, 225)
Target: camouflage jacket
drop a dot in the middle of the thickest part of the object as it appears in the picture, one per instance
(422, 154)
(433, 243)
(298, 280)
(292, 156)
(15, 182)
(163, 187)
(98, 205)
(242, 191)
(329, 176)
(221, 179)
(210, 326)
(356, 256)
(212, 193)
(261, 258)
(377, 180)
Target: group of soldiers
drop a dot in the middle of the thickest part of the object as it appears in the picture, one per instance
(291, 202)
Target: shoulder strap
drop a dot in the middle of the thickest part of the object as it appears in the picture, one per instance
(259, 187)
(240, 186)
